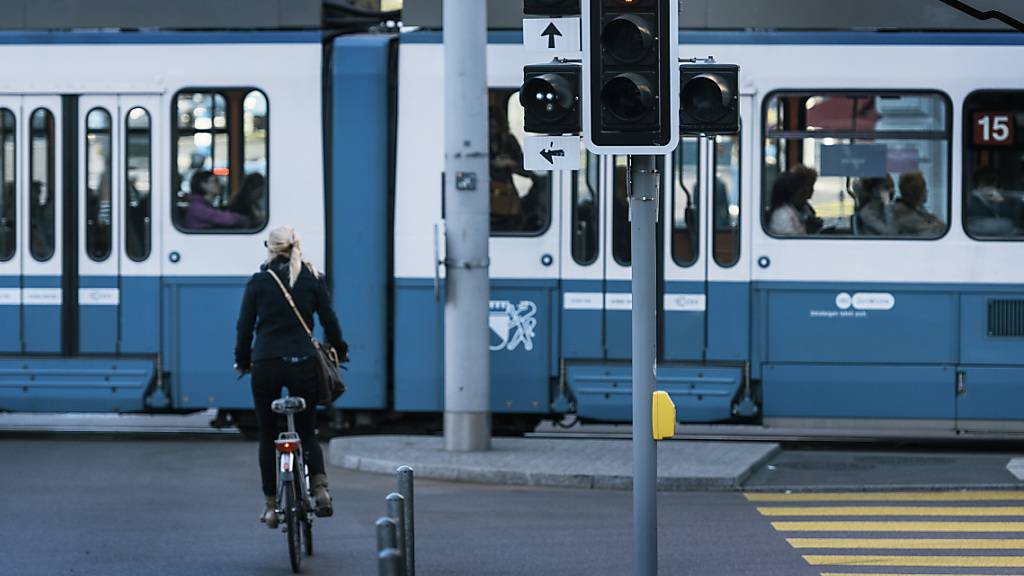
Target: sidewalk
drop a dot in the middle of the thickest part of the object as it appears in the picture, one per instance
(569, 463)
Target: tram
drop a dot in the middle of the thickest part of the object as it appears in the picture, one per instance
(118, 295)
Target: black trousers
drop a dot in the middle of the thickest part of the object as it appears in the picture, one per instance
(268, 378)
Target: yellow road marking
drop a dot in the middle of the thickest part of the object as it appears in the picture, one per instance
(911, 543)
(896, 526)
(891, 510)
(976, 496)
(929, 561)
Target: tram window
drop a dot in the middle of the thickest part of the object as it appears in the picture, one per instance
(685, 203)
(726, 203)
(8, 202)
(221, 149)
(860, 164)
(138, 190)
(41, 202)
(621, 239)
(585, 209)
(520, 198)
(994, 165)
(98, 173)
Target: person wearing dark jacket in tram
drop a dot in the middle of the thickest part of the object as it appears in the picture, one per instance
(283, 356)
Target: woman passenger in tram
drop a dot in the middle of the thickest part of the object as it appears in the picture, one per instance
(809, 177)
(784, 215)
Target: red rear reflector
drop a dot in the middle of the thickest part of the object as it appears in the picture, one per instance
(221, 171)
(286, 446)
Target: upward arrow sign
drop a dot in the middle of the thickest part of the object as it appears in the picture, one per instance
(551, 31)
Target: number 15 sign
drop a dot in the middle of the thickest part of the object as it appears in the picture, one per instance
(993, 129)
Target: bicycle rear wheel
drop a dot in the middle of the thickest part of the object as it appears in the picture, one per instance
(292, 509)
(307, 535)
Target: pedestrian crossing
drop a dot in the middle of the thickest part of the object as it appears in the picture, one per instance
(956, 533)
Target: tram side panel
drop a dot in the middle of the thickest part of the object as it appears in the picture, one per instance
(523, 330)
(204, 272)
(359, 203)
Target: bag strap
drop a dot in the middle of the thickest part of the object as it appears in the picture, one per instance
(291, 302)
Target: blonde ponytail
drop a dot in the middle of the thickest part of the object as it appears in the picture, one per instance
(283, 241)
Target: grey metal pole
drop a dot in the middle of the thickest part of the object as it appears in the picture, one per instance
(405, 488)
(643, 185)
(467, 387)
(396, 511)
(386, 537)
(389, 562)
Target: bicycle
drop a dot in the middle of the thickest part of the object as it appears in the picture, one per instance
(295, 509)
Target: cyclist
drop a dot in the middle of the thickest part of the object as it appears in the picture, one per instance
(283, 356)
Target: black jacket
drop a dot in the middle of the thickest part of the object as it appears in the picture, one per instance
(278, 332)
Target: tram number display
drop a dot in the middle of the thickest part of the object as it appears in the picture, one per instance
(993, 129)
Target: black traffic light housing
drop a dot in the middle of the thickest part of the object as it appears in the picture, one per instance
(632, 58)
(551, 98)
(709, 99)
(551, 7)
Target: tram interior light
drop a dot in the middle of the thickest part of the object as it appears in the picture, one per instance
(551, 98)
(709, 99)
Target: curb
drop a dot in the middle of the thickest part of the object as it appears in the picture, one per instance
(510, 477)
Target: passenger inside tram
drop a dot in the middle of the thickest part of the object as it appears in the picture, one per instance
(874, 216)
(912, 218)
(784, 214)
(989, 213)
(249, 200)
(808, 177)
(201, 213)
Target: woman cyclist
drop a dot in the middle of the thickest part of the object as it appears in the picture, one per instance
(284, 357)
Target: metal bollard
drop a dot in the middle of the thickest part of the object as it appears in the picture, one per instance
(385, 534)
(396, 511)
(405, 488)
(389, 562)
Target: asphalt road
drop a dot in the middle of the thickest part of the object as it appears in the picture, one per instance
(169, 507)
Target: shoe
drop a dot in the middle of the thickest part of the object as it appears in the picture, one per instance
(322, 502)
(269, 516)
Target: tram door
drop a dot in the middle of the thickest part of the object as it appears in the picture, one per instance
(683, 310)
(117, 291)
(11, 223)
(40, 184)
(69, 166)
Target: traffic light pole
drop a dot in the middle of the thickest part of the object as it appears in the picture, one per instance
(467, 386)
(643, 187)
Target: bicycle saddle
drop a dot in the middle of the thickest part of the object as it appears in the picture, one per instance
(288, 405)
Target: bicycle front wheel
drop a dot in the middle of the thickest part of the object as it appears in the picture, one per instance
(292, 509)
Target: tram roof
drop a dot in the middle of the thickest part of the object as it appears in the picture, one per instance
(859, 15)
(761, 15)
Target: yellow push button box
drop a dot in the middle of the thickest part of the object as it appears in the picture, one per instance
(663, 415)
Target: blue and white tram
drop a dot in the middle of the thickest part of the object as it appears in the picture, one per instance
(111, 298)
(116, 294)
(842, 326)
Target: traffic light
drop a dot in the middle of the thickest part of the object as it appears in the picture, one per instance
(551, 96)
(709, 99)
(631, 54)
(551, 7)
